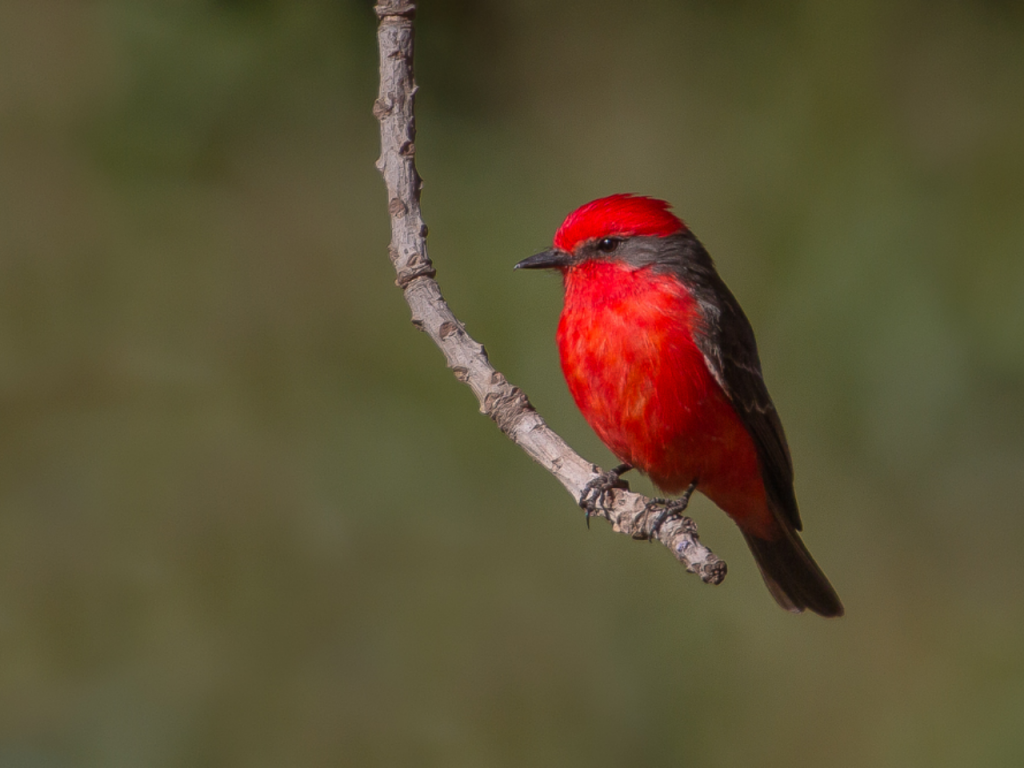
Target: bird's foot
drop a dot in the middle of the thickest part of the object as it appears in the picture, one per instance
(670, 508)
(594, 492)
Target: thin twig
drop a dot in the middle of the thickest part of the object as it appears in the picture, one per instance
(629, 513)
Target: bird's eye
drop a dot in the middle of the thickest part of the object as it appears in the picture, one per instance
(608, 244)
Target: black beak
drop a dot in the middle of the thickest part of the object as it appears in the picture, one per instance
(553, 259)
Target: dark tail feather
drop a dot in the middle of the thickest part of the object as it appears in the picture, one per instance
(791, 575)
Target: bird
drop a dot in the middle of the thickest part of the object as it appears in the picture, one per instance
(662, 363)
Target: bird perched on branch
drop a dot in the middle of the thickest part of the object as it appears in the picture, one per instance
(662, 362)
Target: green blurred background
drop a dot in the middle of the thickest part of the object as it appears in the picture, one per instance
(247, 517)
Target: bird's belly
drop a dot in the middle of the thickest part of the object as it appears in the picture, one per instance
(643, 385)
(645, 388)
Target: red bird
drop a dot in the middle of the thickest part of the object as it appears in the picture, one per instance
(663, 364)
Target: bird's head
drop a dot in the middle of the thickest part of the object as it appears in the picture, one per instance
(621, 228)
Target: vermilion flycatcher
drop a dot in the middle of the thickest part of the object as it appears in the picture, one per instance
(662, 362)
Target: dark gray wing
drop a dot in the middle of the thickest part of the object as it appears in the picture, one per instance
(727, 342)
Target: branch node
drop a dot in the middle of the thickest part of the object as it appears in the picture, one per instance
(397, 208)
(506, 407)
(423, 269)
(447, 328)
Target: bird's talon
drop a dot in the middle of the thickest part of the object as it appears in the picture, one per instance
(595, 491)
(672, 508)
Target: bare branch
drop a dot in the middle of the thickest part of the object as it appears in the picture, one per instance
(508, 406)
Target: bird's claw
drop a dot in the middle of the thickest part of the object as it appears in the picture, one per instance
(594, 492)
(670, 508)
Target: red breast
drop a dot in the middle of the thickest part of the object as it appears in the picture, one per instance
(627, 350)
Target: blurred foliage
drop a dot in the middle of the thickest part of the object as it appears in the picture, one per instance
(247, 518)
